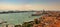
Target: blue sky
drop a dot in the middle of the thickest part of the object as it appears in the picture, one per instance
(30, 1)
(42, 3)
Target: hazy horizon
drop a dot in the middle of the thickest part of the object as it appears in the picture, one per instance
(29, 4)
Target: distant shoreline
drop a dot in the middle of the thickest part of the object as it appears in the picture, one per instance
(6, 12)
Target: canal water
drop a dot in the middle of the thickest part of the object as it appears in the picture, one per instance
(17, 18)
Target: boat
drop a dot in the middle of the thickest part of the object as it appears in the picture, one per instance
(37, 14)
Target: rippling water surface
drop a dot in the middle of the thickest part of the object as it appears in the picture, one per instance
(17, 18)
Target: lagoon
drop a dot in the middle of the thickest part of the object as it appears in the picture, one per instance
(18, 18)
